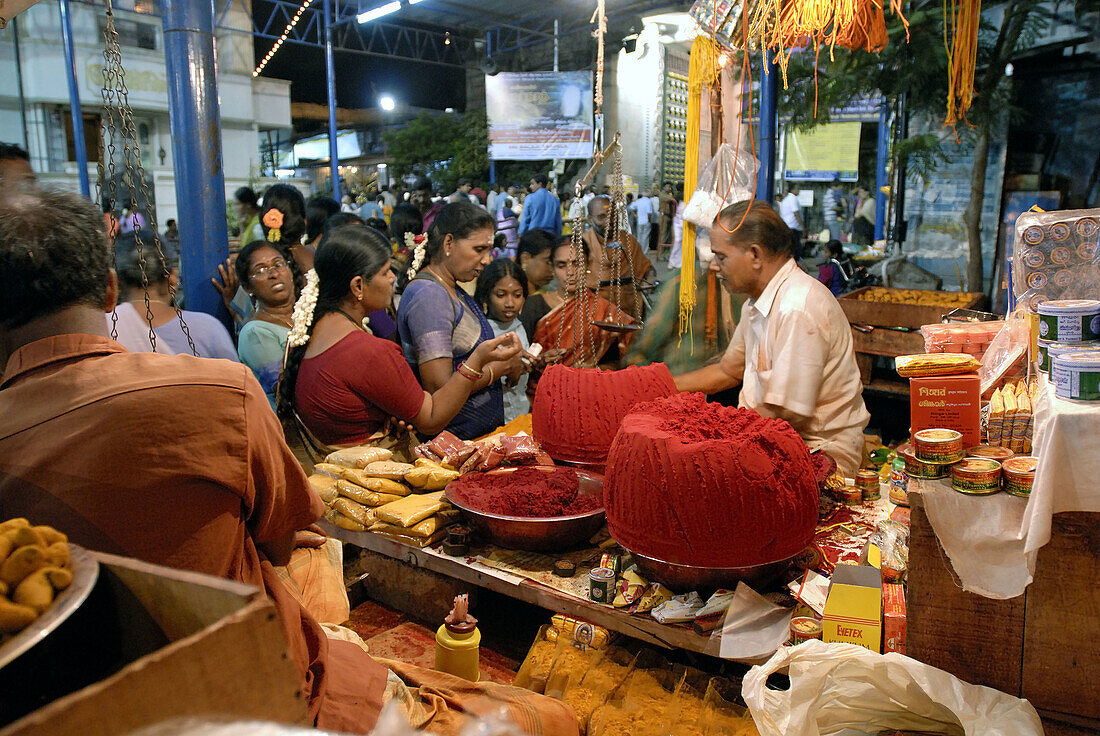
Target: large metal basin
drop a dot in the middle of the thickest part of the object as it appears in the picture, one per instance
(536, 534)
(686, 578)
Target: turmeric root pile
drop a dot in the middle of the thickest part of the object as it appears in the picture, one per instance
(34, 566)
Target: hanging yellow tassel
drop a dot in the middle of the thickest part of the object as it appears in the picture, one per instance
(702, 72)
(960, 37)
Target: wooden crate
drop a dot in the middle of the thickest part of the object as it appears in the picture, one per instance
(1043, 645)
(891, 314)
(890, 343)
(173, 644)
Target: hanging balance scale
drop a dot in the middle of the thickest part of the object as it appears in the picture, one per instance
(615, 246)
(617, 255)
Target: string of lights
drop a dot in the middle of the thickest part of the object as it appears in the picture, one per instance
(286, 32)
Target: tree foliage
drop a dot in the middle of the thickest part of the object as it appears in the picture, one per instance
(915, 73)
(442, 146)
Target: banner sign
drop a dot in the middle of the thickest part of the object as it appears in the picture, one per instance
(539, 115)
(827, 151)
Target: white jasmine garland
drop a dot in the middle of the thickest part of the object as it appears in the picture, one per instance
(418, 252)
(303, 311)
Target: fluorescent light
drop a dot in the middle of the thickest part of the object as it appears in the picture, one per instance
(415, 2)
(378, 12)
(387, 103)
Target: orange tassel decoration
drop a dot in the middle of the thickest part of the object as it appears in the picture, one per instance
(851, 24)
(960, 39)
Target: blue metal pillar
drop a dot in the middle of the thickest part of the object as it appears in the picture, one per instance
(766, 145)
(882, 157)
(195, 115)
(330, 84)
(492, 172)
(74, 99)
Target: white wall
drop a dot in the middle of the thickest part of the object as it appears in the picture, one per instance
(632, 100)
(247, 105)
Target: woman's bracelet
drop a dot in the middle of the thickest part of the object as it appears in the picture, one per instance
(469, 372)
(492, 378)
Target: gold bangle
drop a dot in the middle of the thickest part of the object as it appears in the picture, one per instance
(492, 378)
(468, 372)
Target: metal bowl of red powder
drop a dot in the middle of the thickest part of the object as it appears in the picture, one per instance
(686, 578)
(531, 491)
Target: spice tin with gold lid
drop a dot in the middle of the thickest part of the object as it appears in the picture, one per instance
(915, 468)
(867, 483)
(1019, 475)
(939, 446)
(805, 628)
(850, 495)
(976, 476)
(990, 452)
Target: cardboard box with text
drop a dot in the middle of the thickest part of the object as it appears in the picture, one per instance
(947, 402)
(853, 610)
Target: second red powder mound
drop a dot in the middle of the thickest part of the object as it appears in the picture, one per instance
(527, 492)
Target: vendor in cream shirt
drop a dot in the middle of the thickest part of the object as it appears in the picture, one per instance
(792, 349)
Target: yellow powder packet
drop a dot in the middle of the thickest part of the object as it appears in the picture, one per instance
(430, 477)
(1009, 422)
(358, 457)
(325, 487)
(332, 471)
(996, 419)
(381, 485)
(406, 512)
(362, 495)
(388, 469)
(353, 510)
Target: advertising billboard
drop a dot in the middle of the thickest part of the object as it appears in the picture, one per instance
(539, 115)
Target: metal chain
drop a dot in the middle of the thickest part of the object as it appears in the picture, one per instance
(621, 225)
(107, 150)
(116, 78)
(616, 226)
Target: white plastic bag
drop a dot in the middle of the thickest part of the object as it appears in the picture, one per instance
(844, 686)
(727, 178)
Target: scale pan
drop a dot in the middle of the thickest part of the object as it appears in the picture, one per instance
(616, 326)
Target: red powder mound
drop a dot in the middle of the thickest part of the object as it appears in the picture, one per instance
(528, 492)
(695, 483)
(577, 411)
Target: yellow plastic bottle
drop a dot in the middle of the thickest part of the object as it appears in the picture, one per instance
(458, 643)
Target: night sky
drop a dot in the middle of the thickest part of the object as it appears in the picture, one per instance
(360, 79)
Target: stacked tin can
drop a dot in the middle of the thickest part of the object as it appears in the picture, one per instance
(1069, 347)
(978, 471)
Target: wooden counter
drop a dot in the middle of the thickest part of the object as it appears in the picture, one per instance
(641, 627)
(1043, 645)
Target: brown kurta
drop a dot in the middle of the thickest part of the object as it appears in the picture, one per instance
(636, 267)
(178, 461)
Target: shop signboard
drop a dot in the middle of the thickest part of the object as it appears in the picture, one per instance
(539, 115)
(827, 151)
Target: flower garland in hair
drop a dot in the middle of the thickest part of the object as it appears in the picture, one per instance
(415, 244)
(303, 311)
(273, 218)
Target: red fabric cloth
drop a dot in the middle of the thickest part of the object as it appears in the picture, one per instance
(175, 460)
(345, 394)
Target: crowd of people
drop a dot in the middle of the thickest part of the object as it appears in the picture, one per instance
(350, 327)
